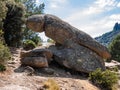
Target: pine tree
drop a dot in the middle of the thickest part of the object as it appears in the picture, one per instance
(115, 48)
(13, 23)
(3, 11)
(32, 8)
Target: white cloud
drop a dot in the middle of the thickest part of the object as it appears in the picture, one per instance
(104, 3)
(91, 22)
(96, 27)
(91, 19)
(115, 17)
(55, 4)
(98, 7)
(118, 5)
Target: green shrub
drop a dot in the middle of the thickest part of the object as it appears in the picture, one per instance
(2, 68)
(4, 54)
(3, 11)
(105, 79)
(114, 48)
(28, 44)
(116, 69)
(13, 23)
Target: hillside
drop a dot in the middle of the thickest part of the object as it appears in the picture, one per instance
(16, 78)
(106, 38)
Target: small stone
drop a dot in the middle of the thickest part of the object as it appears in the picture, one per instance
(48, 71)
(57, 75)
(68, 73)
(29, 70)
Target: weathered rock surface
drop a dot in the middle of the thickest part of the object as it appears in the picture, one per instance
(35, 61)
(74, 49)
(29, 70)
(61, 31)
(36, 58)
(38, 53)
(78, 58)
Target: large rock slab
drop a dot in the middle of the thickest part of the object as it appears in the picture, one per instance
(61, 31)
(38, 53)
(36, 58)
(78, 58)
(38, 62)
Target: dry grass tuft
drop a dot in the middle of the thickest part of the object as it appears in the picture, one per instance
(51, 84)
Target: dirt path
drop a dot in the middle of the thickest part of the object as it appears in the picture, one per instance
(16, 79)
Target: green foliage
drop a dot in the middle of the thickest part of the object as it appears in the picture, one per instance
(29, 44)
(50, 40)
(105, 79)
(1, 37)
(30, 35)
(116, 69)
(2, 68)
(4, 54)
(32, 8)
(3, 11)
(36, 39)
(115, 48)
(13, 23)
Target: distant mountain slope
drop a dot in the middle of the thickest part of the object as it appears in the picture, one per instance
(106, 38)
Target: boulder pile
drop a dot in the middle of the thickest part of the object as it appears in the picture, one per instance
(74, 48)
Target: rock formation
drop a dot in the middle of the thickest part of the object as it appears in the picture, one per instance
(77, 58)
(61, 31)
(36, 58)
(76, 49)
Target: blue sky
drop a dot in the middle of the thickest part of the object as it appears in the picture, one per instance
(94, 17)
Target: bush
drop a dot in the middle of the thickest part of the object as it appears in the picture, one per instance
(105, 79)
(13, 23)
(114, 48)
(28, 44)
(50, 84)
(2, 67)
(4, 54)
(3, 11)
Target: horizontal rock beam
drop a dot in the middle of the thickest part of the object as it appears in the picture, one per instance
(61, 31)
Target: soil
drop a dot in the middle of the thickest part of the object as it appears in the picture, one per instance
(16, 78)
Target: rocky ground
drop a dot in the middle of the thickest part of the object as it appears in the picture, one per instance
(15, 77)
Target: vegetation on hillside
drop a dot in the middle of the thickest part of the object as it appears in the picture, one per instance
(12, 26)
(5, 55)
(13, 14)
(4, 51)
(32, 8)
(107, 38)
(13, 23)
(3, 10)
(28, 44)
(114, 48)
(104, 79)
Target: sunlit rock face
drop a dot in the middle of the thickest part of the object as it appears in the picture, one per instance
(74, 49)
